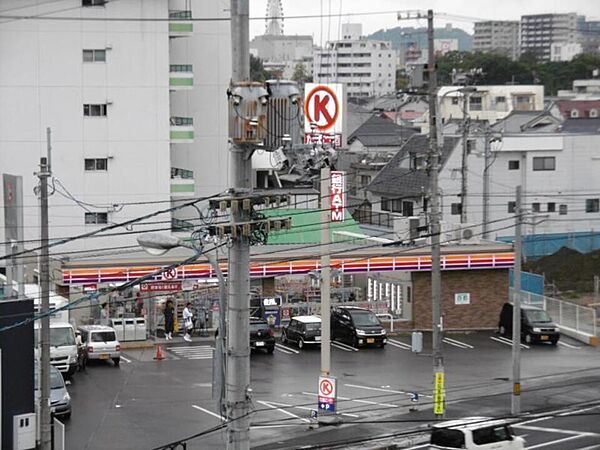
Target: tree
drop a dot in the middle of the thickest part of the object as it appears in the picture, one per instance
(257, 69)
(300, 74)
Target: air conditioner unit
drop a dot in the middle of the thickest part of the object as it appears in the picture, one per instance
(467, 234)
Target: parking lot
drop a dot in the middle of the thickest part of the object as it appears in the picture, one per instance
(129, 402)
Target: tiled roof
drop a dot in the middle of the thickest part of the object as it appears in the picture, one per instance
(381, 132)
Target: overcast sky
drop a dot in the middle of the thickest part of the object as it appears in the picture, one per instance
(473, 10)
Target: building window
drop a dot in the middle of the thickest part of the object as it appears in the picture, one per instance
(562, 210)
(94, 55)
(396, 205)
(95, 164)
(94, 110)
(476, 103)
(456, 209)
(514, 164)
(512, 206)
(407, 209)
(544, 163)
(385, 204)
(535, 207)
(93, 2)
(96, 218)
(189, 67)
(592, 205)
(551, 207)
(365, 180)
(455, 100)
(501, 99)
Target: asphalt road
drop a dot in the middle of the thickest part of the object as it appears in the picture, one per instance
(146, 403)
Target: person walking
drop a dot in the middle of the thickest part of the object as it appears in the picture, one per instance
(169, 313)
(188, 324)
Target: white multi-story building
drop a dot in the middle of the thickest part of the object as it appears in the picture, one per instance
(497, 36)
(367, 67)
(137, 110)
(540, 31)
(565, 51)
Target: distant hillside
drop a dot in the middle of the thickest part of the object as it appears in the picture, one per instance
(401, 36)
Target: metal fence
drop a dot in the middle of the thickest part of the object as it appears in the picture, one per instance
(564, 313)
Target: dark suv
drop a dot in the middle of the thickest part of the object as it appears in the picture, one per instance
(357, 327)
(261, 335)
(536, 324)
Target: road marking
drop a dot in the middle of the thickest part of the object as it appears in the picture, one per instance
(399, 344)
(568, 345)
(460, 344)
(389, 391)
(545, 444)
(193, 352)
(506, 341)
(366, 402)
(344, 347)
(308, 409)
(557, 430)
(287, 348)
(275, 426)
(282, 350)
(125, 359)
(267, 404)
(418, 446)
(209, 412)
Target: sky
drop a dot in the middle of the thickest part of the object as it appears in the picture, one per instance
(381, 13)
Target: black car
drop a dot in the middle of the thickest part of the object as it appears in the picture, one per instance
(261, 335)
(357, 327)
(302, 330)
(536, 324)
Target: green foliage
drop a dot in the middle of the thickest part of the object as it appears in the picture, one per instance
(499, 69)
(257, 70)
(300, 74)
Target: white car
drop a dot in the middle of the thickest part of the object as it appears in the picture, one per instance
(475, 433)
(100, 342)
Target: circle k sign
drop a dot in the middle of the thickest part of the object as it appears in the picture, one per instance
(322, 107)
(327, 387)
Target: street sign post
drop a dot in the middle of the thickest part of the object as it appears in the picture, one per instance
(327, 394)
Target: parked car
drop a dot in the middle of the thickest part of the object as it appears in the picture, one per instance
(63, 348)
(536, 324)
(100, 342)
(475, 433)
(357, 327)
(302, 330)
(60, 400)
(261, 335)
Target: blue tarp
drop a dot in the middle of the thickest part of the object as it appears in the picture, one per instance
(538, 245)
(530, 282)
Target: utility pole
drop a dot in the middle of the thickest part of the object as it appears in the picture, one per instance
(325, 272)
(486, 181)
(436, 275)
(465, 154)
(45, 417)
(515, 406)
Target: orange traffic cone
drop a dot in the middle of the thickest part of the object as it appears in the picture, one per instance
(159, 353)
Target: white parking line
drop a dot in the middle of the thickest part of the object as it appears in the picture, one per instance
(209, 412)
(366, 402)
(399, 344)
(283, 347)
(579, 411)
(389, 391)
(342, 346)
(546, 444)
(456, 343)
(125, 359)
(557, 430)
(564, 344)
(506, 341)
(307, 408)
(267, 404)
(282, 350)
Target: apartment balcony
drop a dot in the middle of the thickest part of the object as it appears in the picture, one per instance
(180, 23)
(182, 130)
(182, 183)
(181, 77)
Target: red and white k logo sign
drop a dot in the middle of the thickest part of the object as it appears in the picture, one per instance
(322, 107)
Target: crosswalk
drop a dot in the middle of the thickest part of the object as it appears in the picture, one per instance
(193, 352)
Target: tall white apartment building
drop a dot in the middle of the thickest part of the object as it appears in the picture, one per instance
(497, 36)
(137, 110)
(540, 31)
(367, 67)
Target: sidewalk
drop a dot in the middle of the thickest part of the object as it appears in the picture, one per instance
(177, 338)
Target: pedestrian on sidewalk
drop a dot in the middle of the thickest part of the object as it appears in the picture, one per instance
(188, 324)
(169, 313)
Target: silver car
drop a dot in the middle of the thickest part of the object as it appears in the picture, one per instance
(100, 342)
(60, 400)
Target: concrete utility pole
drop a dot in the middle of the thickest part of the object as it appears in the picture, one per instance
(325, 272)
(436, 275)
(238, 307)
(515, 406)
(465, 154)
(45, 417)
(487, 135)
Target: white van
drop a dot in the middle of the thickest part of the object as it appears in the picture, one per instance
(475, 433)
(100, 343)
(63, 348)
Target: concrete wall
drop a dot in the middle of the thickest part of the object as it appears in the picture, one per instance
(488, 291)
